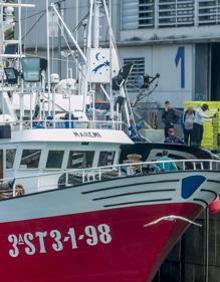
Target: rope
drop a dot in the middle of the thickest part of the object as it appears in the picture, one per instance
(34, 24)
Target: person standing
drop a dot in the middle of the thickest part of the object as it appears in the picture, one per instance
(200, 117)
(169, 117)
(188, 120)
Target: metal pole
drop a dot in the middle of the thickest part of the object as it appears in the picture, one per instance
(111, 60)
(17, 5)
(67, 66)
(96, 25)
(19, 28)
(59, 41)
(89, 38)
(122, 91)
(20, 54)
(69, 33)
(76, 35)
(48, 54)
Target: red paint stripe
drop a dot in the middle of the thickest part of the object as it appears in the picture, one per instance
(134, 254)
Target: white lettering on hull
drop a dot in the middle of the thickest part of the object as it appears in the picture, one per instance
(38, 242)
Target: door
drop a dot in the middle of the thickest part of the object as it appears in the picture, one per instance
(215, 72)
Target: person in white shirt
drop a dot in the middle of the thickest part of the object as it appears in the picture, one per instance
(200, 117)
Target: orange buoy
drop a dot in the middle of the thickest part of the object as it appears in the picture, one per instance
(214, 206)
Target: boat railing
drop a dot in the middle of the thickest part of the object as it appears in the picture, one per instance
(64, 124)
(67, 178)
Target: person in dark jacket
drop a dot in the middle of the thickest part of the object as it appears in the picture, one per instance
(172, 138)
(169, 117)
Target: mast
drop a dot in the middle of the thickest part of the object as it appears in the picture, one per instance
(114, 49)
(95, 58)
(96, 25)
(6, 57)
(111, 55)
(96, 36)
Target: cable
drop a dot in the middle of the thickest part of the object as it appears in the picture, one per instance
(80, 22)
(44, 10)
(44, 57)
(65, 39)
(34, 24)
(33, 15)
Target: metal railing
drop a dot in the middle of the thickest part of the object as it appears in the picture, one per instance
(67, 178)
(55, 124)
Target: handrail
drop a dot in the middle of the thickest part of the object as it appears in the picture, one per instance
(98, 173)
(64, 123)
(119, 167)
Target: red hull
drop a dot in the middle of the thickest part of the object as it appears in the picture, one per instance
(126, 252)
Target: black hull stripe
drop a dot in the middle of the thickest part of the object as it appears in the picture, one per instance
(210, 191)
(201, 200)
(213, 181)
(134, 193)
(129, 185)
(137, 202)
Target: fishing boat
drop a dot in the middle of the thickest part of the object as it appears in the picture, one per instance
(80, 200)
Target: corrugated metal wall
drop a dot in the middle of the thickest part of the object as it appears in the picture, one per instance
(187, 261)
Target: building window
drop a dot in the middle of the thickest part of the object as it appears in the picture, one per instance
(176, 13)
(163, 13)
(10, 158)
(80, 159)
(30, 158)
(137, 14)
(138, 70)
(146, 13)
(55, 159)
(209, 12)
(106, 158)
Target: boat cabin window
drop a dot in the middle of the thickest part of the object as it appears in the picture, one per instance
(30, 158)
(106, 158)
(10, 158)
(55, 159)
(80, 159)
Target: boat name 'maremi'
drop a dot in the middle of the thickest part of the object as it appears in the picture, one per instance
(87, 134)
(39, 242)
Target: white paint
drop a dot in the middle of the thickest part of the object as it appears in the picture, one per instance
(98, 68)
(34, 243)
(72, 201)
(110, 136)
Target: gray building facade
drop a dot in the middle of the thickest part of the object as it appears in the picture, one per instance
(178, 39)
